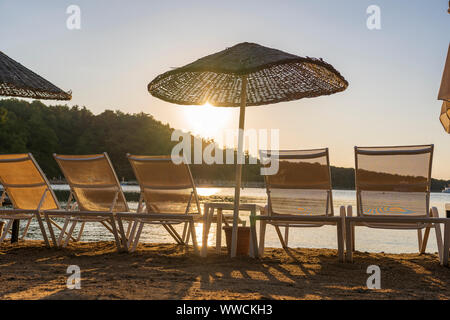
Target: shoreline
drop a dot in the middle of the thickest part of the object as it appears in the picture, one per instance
(226, 184)
(166, 271)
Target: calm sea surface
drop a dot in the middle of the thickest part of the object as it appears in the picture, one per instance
(367, 239)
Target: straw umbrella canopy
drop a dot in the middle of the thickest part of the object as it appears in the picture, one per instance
(247, 74)
(444, 95)
(18, 81)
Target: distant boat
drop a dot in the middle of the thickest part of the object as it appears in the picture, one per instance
(129, 183)
(446, 190)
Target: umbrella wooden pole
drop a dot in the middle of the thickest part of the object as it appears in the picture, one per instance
(15, 231)
(237, 191)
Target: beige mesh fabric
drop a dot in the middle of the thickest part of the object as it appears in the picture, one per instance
(302, 184)
(24, 182)
(167, 187)
(93, 181)
(393, 181)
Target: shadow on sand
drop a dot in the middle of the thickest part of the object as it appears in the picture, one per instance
(165, 271)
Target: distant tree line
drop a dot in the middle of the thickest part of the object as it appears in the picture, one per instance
(43, 130)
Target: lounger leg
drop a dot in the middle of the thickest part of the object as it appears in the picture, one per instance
(185, 233)
(340, 241)
(286, 235)
(342, 214)
(57, 227)
(262, 236)
(352, 230)
(132, 234)
(424, 241)
(419, 238)
(353, 239)
(170, 233)
(349, 235)
(123, 237)
(2, 223)
(107, 224)
(25, 231)
(6, 230)
(80, 233)
(128, 229)
(207, 220)
(115, 233)
(50, 229)
(72, 227)
(437, 230)
(177, 235)
(219, 220)
(188, 232)
(138, 235)
(277, 228)
(253, 239)
(63, 231)
(194, 237)
(173, 233)
(41, 225)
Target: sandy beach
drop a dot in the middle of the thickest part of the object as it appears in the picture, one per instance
(28, 270)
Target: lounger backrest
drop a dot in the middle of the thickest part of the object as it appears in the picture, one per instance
(393, 181)
(166, 187)
(302, 184)
(93, 182)
(25, 183)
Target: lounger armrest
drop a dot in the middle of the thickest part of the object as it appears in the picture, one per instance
(434, 212)
(342, 211)
(158, 216)
(264, 211)
(349, 211)
(65, 213)
(260, 208)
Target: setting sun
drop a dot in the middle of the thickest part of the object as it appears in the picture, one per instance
(208, 121)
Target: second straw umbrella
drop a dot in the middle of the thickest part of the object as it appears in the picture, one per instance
(444, 95)
(19, 81)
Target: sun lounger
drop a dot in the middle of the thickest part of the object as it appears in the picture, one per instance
(29, 192)
(168, 197)
(299, 195)
(95, 194)
(393, 192)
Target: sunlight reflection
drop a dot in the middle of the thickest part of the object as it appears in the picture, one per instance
(207, 192)
(199, 236)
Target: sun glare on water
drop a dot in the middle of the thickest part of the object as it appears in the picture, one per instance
(207, 192)
(208, 121)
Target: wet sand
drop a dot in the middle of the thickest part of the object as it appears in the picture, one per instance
(28, 270)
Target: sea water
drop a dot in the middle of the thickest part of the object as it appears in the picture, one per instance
(367, 239)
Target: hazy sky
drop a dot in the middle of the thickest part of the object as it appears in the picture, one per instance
(394, 73)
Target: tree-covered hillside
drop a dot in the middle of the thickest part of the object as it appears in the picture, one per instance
(44, 130)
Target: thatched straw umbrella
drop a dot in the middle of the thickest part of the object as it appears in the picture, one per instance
(444, 92)
(444, 95)
(247, 74)
(18, 81)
